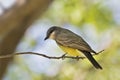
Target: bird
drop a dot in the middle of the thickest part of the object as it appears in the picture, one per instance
(71, 43)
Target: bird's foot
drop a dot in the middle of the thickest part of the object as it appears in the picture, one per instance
(63, 56)
(77, 58)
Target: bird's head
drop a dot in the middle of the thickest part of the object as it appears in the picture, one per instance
(51, 32)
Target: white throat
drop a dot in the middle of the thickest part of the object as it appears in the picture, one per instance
(52, 35)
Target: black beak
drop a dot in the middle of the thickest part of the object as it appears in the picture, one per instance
(46, 38)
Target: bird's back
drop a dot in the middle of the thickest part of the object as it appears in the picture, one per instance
(68, 38)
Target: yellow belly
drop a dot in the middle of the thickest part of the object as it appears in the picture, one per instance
(71, 51)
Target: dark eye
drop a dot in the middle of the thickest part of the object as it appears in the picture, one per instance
(51, 31)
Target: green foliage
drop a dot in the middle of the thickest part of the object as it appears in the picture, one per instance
(80, 12)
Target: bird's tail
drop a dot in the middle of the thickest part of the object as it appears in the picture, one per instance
(92, 60)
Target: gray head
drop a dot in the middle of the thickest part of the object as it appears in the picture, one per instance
(51, 30)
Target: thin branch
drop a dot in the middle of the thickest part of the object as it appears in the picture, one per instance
(46, 56)
(99, 52)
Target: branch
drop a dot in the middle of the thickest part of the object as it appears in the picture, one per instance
(13, 24)
(46, 56)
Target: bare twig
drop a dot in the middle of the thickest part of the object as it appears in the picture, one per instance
(46, 56)
(13, 24)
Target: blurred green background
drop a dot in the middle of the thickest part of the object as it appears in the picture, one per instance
(97, 21)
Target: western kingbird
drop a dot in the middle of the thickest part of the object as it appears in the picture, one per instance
(71, 43)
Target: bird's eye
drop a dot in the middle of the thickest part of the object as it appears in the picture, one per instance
(51, 31)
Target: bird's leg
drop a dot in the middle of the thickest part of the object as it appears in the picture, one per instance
(77, 58)
(63, 56)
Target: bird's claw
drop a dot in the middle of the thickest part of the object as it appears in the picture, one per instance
(63, 56)
(77, 58)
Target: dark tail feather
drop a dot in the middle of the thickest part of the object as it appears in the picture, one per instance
(92, 60)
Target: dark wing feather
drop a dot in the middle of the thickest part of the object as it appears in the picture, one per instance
(72, 40)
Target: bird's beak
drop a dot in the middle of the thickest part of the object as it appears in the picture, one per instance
(46, 37)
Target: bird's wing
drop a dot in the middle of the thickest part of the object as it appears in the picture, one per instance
(73, 41)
